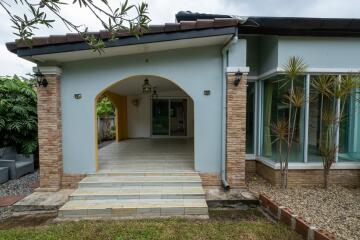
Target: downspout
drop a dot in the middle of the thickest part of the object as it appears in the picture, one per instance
(225, 53)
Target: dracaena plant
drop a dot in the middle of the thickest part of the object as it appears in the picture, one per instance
(332, 88)
(294, 100)
(29, 15)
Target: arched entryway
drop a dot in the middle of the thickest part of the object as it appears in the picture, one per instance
(154, 129)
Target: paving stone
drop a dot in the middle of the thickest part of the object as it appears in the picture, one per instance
(10, 200)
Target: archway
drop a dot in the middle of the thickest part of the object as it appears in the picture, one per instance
(154, 130)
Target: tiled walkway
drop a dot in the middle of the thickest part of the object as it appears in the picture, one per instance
(148, 155)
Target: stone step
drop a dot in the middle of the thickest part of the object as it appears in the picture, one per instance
(133, 208)
(139, 181)
(142, 173)
(138, 193)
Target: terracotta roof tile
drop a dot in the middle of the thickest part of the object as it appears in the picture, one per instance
(186, 25)
(55, 39)
(225, 22)
(204, 23)
(172, 27)
(38, 41)
(74, 37)
(156, 28)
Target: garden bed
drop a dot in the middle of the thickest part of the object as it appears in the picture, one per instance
(336, 210)
(19, 187)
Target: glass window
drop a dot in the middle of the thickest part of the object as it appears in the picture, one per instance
(169, 117)
(349, 132)
(274, 110)
(321, 108)
(160, 117)
(250, 109)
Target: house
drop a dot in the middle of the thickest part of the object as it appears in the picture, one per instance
(216, 93)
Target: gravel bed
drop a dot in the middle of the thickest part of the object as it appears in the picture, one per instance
(21, 186)
(337, 209)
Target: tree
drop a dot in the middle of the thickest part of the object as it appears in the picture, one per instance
(18, 116)
(284, 129)
(105, 109)
(112, 19)
(333, 91)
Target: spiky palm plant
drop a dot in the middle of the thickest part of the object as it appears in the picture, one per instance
(295, 98)
(280, 131)
(18, 116)
(334, 89)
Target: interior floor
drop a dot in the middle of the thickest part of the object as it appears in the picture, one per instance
(148, 155)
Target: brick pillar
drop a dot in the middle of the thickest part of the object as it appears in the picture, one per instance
(49, 130)
(236, 131)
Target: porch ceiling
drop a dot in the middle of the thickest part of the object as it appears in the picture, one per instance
(133, 86)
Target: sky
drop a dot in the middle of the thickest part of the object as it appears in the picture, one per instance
(162, 11)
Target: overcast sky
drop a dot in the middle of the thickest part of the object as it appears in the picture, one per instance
(162, 11)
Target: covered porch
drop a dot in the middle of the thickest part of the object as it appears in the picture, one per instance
(148, 155)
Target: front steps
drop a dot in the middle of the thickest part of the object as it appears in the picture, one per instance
(137, 195)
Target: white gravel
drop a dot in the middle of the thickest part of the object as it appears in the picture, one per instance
(337, 209)
(21, 186)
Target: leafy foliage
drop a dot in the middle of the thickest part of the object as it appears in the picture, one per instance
(112, 19)
(18, 116)
(104, 107)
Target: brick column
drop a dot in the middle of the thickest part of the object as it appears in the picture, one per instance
(49, 130)
(236, 131)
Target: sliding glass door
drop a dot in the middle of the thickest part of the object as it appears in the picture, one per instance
(169, 117)
(160, 117)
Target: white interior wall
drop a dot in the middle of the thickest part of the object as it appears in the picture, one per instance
(139, 117)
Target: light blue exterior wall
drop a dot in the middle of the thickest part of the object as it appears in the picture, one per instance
(252, 55)
(321, 52)
(237, 54)
(268, 54)
(194, 70)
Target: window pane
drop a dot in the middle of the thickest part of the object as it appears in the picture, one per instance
(250, 97)
(321, 108)
(274, 110)
(160, 117)
(349, 132)
(178, 117)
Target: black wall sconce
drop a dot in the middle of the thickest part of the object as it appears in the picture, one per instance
(237, 80)
(40, 79)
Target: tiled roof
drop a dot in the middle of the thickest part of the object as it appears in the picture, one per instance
(153, 29)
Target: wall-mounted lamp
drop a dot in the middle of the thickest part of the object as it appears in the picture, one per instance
(136, 102)
(40, 79)
(237, 80)
(146, 87)
(154, 94)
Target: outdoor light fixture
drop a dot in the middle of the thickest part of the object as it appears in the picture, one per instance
(146, 87)
(154, 94)
(237, 80)
(40, 79)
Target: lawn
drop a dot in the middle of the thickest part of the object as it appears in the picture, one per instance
(231, 225)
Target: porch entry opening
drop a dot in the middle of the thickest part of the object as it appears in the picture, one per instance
(150, 133)
(169, 117)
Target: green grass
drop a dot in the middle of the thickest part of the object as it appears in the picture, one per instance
(228, 226)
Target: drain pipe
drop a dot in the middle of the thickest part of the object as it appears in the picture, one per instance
(225, 53)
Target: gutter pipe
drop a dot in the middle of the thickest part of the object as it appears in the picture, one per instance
(225, 53)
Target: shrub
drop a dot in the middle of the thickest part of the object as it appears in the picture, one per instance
(18, 116)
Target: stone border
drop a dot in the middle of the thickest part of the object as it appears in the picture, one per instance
(298, 224)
